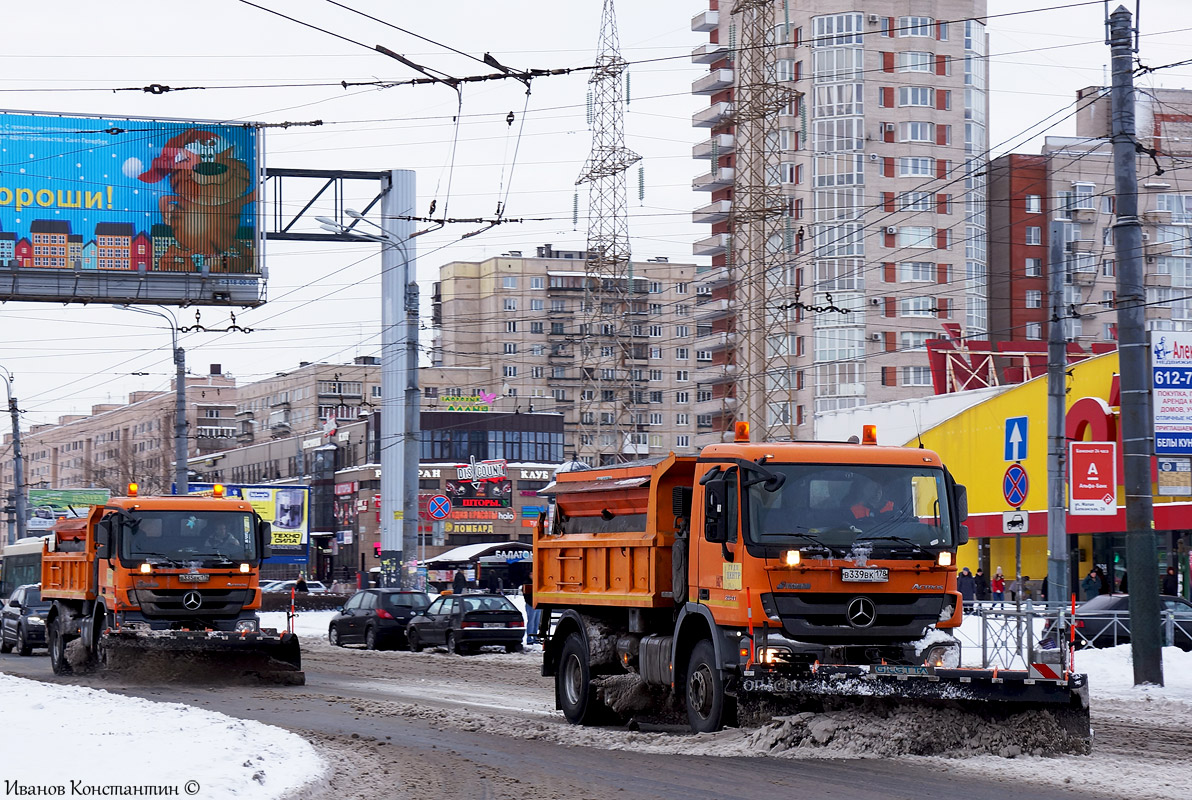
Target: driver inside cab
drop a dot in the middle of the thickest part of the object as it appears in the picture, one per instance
(869, 501)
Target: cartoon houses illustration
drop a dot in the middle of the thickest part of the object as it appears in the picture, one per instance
(8, 249)
(49, 242)
(114, 240)
(74, 250)
(90, 255)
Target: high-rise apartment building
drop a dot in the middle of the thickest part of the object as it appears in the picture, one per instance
(1072, 183)
(525, 318)
(879, 153)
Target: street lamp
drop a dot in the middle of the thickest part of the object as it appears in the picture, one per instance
(18, 464)
(181, 485)
(399, 372)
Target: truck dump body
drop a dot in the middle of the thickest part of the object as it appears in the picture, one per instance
(612, 536)
(163, 575)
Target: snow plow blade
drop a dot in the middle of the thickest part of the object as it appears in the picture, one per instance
(995, 695)
(184, 655)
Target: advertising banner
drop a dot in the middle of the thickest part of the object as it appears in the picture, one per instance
(1171, 367)
(285, 508)
(46, 505)
(129, 210)
(1092, 478)
(490, 494)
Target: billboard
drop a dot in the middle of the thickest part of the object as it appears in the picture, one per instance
(129, 211)
(488, 494)
(285, 508)
(1171, 373)
(46, 505)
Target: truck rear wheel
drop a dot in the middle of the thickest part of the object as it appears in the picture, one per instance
(708, 706)
(57, 644)
(573, 683)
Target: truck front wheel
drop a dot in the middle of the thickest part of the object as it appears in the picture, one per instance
(573, 682)
(707, 702)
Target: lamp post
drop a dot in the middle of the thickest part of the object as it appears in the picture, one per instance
(18, 463)
(181, 485)
(399, 372)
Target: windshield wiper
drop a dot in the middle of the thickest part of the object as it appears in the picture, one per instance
(902, 539)
(173, 562)
(814, 540)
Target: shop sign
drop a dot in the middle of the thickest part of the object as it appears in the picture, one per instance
(480, 402)
(1171, 367)
(1093, 478)
(535, 474)
(347, 488)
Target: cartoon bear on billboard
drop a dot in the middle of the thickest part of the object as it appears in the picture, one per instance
(210, 188)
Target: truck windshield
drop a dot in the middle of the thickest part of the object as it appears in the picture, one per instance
(836, 506)
(187, 536)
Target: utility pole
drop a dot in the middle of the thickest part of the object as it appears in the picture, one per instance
(1134, 360)
(1057, 364)
(181, 476)
(18, 463)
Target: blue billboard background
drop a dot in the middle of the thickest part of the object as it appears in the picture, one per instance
(126, 195)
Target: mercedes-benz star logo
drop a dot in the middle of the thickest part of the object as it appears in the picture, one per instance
(861, 612)
(192, 600)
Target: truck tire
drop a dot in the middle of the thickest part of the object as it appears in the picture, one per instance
(59, 663)
(573, 683)
(708, 706)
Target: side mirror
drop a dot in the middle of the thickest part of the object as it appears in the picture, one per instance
(265, 538)
(715, 525)
(340, 609)
(961, 503)
(962, 535)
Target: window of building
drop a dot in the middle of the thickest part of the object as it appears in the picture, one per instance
(916, 236)
(655, 331)
(510, 348)
(1034, 268)
(914, 26)
(1034, 298)
(680, 288)
(682, 331)
(916, 61)
(537, 305)
(1109, 268)
(508, 281)
(916, 271)
(916, 132)
(655, 352)
(916, 340)
(916, 376)
(509, 371)
(682, 353)
(916, 166)
(683, 375)
(682, 397)
(1034, 234)
(835, 30)
(537, 327)
(538, 283)
(1034, 204)
(682, 441)
(1034, 330)
(915, 201)
(1082, 195)
(916, 307)
(509, 304)
(923, 96)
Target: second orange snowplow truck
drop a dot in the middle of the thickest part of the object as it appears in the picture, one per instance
(758, 576)
(176, 577)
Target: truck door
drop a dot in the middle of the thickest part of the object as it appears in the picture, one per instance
(715, 568)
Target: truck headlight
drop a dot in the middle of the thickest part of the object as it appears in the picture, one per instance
(793, 557)
(246, 568)
(146, 568)
(945, 559)
(250, 625)
(946, 612)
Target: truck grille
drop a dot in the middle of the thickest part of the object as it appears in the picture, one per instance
(826, 617)
(172, 603)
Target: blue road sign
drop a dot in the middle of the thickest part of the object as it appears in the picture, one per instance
(439, 507)
(1016, 428)
(1015, 485)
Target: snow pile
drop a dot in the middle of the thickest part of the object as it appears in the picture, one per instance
(172, 745)
(873, 732)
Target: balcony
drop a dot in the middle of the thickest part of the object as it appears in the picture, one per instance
(711, 116)
(714, 81)
(707, 53)
(1154, 249)
(715, 406)
(1084, 277)
(1157, 217)
(707, 21)
(712, 310)
(247, 413)
(713, 245)
(715, 373)
(710, 181)
(244, 436)
(1084, 215)
(716, 211)
(632, 448)
(713, 278)
(1085, 246)
(724, 144)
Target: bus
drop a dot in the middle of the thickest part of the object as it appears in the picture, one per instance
(20, 563)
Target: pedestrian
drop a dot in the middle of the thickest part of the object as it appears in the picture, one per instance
(967, 586)
(300, 584)
(458, 582)
(1105, 587)
(1122, 584)
(1171, 582)
(998, 585)
(982, 582)
(1091, 585)
(1026, 593)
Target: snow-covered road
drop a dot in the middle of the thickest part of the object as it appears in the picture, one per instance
(1142, 734)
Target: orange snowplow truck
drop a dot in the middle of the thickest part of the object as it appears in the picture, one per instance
(755, 577)
(145, 576)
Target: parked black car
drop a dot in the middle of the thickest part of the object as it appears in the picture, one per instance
(466, 622)
(22, 620)
(1104, 621)
(376, 617)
